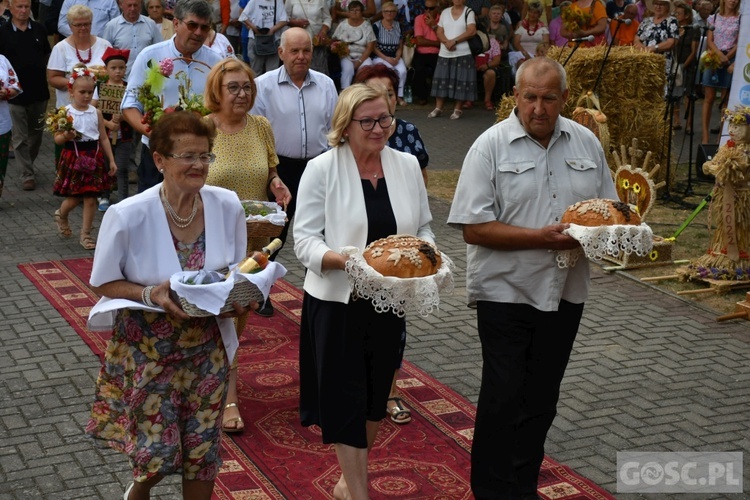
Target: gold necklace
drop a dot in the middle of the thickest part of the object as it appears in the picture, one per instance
(180, 222)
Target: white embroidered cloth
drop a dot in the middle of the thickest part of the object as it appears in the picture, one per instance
(400, 295)
(599, 241)
(276, 215)
(209, 290)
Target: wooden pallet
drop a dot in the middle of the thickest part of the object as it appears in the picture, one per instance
(741, 310)
(716, 286)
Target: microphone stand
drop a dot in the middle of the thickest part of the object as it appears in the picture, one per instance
(692, 98)
(578, 44)
(606, 55)
(669, 114)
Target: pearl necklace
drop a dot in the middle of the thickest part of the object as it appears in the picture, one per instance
(180, 222)
(80, 59)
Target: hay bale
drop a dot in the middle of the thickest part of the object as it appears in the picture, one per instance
(631, 93)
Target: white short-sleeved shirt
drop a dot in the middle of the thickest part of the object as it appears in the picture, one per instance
(453, 28)
(85, 122)
(63, 58)
(509, 177)
(356, 36)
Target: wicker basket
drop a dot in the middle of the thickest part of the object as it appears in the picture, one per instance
(259, 227)
(243, 292)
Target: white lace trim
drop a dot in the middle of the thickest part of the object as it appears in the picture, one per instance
(400, 295)
(601, 241)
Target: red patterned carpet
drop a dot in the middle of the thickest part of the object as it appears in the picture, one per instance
(275, 457)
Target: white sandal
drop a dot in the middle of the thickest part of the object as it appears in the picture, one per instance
(435, 113)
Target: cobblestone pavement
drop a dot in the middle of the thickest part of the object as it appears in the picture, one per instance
(650, 371)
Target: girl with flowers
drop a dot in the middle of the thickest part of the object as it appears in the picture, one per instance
(9, 88)
(82, 174)
(722, 43)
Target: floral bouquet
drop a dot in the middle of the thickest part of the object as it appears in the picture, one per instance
(409, 40)
(709, 61)
(58, 120)
(575, 20)
(100, 73)
(149, 94)
(340, 48)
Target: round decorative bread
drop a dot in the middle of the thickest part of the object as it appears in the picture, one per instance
(403, 256)
(599, 212)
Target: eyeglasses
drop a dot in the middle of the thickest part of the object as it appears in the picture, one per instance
(191, 158)
(390, 12)
(234, 88)
(193, 26)
(81, 25)
(430, 8)
(368, 124)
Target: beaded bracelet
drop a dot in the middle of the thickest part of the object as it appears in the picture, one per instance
(146, 296)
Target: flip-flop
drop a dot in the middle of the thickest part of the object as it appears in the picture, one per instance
(63, 228)
(400, 414)
(238, 420)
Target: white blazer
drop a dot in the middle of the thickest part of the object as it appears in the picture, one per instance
(135, 244)
(331, 212)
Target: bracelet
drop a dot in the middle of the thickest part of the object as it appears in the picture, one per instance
(271, 179)
(146, 295)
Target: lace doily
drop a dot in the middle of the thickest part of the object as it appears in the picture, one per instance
(600, 241)
(400, 295)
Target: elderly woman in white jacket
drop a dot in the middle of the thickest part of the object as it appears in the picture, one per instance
(355, 193)
(161, 388)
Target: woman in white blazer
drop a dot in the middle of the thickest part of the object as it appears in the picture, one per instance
(355, 193)
(161, 389)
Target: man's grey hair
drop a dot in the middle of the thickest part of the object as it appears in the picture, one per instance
(293, 30)
(198, 8)
(540, 65)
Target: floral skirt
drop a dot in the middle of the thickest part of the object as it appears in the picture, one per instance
(160, 395)
(72, 182)
(455, 78)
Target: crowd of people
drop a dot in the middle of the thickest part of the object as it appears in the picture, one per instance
(298, 102)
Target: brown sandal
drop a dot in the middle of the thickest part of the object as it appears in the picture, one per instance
(87, 241)
(63, 228)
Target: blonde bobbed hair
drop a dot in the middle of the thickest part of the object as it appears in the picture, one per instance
(79, 12)
(350, 99)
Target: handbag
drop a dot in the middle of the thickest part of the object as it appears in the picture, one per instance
(265, 44)
(85, 164)
(479, 43)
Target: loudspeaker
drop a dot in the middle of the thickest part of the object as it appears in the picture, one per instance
(706, 152)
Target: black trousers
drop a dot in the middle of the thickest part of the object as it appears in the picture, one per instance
(525, 352)
(148, 175)
(424, 66)
(290, 171)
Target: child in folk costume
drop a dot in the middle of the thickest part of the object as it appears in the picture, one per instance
(9, 88)
(120, 133)
(82, 173)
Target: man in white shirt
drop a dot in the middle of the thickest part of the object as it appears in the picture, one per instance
(131, 31)
(104, 11)
(299, 103)
(192, 24)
